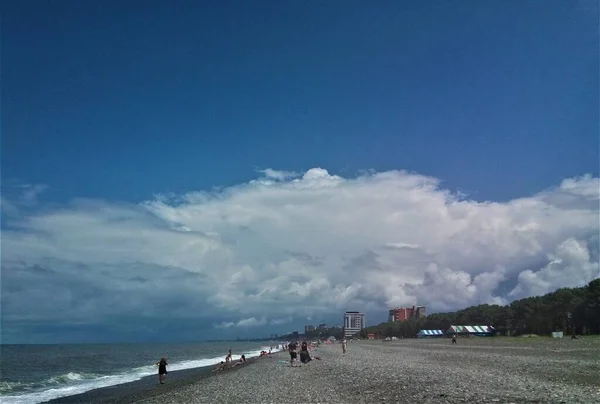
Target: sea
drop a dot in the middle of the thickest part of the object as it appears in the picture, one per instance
(38, 373)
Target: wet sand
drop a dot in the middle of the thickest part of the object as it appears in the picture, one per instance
(147, 387)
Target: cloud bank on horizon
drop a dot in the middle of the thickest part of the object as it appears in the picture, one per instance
(287, 246)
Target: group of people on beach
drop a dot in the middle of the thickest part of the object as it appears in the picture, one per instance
(305, 356)
(228, 363)
(290, 347)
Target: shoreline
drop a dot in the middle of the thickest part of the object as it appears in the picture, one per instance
(148, 387)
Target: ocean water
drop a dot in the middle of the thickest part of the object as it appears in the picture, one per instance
(37, 373)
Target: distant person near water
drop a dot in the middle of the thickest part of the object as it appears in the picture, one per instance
(344, 346)
(162, 370)
(228, 357)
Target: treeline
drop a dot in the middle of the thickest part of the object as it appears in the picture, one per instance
(572, 310)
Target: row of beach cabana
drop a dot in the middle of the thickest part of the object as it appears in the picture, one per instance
(460, 330)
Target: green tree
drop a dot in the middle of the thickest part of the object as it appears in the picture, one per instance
(539, 315)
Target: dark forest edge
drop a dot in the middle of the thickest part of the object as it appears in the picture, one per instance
(571, 310)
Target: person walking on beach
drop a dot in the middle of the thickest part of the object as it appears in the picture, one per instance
(454, 339)
(344, 346)
(162, 370)
(293, 355)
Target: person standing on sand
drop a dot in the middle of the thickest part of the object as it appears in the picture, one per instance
(228, 358)
(454, 339)
(293, 355)
(162, 370)
(344, 346)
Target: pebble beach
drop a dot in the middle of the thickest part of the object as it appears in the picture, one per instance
(492, 370)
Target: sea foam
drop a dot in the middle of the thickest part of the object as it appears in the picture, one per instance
(74, 383)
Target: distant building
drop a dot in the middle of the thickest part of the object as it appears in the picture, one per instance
(406, 313)
(353, 323)
(400, 314)
(323, 326)
(295, 334)
(309, 328)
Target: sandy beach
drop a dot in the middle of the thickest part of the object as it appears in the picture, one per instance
(493, 370)
(424, 371)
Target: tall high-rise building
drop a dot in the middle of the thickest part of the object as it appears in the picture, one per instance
(353, 323)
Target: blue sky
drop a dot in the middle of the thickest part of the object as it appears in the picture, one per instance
(108, 104)
(155, 98)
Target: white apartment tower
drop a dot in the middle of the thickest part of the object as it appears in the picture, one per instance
(353, 323)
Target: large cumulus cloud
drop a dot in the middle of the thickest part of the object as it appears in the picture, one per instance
(290, 245)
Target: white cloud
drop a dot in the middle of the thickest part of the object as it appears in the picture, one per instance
(306, 246)
(279, 321)
(17, 195)
(451, 288)
(226, 324)
(30, 193)
(8, 208)
(251, 322)
(569, 266)
(402, 245)
(246, 322)
(277, 174)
